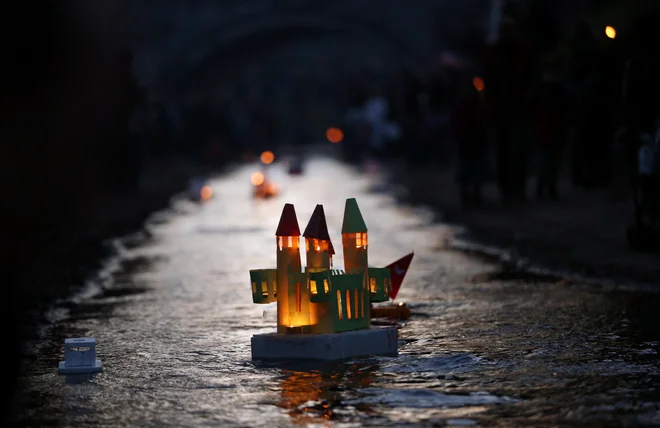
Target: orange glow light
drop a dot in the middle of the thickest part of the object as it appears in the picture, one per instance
(334, 135)
(267, 157)
(361, 240)
(289, 242)
(205, 193)
(317, 245)
(265, 190)
(257, 178)
(478, 84)
(610, 32)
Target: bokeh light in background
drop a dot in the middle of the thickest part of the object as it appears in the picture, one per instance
(334, 135)
(610, 32)
(267, 157)
(257, 178)
(206, 193)
(478, 83)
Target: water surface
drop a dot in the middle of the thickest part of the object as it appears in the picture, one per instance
(173, 317)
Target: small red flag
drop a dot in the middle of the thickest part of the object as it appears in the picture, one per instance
(398, 271)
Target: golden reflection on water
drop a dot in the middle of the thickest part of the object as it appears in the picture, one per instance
(310, 396)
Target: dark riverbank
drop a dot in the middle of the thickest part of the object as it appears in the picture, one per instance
(61, 257)
(583, 234)
(63, 262)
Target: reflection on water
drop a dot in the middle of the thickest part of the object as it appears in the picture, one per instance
(429, 399)
(77, 379)
(310, 396)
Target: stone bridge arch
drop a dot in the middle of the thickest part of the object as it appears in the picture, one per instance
(241, 38)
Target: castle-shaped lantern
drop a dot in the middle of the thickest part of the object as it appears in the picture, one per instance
(318, 298)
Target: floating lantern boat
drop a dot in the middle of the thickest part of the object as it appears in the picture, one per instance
(399, 311)
(295, 165)
(79, 356)
(262, 187)
(199, 189)
(322, 313)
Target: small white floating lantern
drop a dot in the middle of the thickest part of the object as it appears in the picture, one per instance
(80, 356)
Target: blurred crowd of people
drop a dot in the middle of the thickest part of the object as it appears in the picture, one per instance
(529, 104)
(201, 126)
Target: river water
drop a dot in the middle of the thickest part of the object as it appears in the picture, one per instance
(173, 316)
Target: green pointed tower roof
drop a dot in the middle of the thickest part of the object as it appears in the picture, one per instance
(353, 221)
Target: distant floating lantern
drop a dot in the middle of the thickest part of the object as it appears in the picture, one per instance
(478, 84)
(263, 188)
(399, 311)
(334, 135)
(266, 190)
(199, 189)
(257, 178)
(206, 193)
(267, 157)
(610, 32)
(296, 165)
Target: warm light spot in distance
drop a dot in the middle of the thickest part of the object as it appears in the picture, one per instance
(478, 84)
(257, 178)
(267, 157)
(334, 135)
(206, 192)
(610, 32)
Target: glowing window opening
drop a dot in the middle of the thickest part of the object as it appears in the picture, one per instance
(340, 313)
(362, 298)
(312, 286)
(298, 298)
(348, 303)
(290, 242)
(361, 240)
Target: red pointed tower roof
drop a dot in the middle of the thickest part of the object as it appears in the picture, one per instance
(288, 222)
(317, 227)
